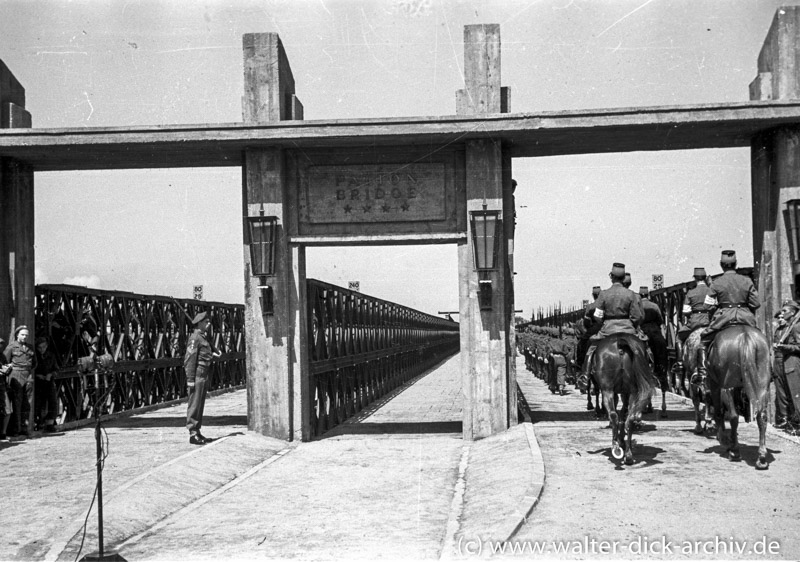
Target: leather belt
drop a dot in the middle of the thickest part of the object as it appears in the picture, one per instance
(616, 317)
(731, 306)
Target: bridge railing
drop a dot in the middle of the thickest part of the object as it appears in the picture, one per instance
(362, 347)
(145, 335)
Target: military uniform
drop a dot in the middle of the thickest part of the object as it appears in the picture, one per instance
(694, 306)
(589, 327)
(620, 309)
(22, 358)
(652, 322)
(735, 298)
(197, 363)
(558, 365)
(786, 373)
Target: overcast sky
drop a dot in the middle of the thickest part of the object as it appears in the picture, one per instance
(95, 64)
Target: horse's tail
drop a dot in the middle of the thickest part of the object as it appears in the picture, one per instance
(643, 380)
(750, 359)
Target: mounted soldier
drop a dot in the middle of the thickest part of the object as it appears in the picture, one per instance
(697, 315)
(619, 309)
(734, 299)
(652, 327)
(589, 326)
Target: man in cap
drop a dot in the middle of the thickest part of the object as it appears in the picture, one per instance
(651, 326)
(786, 373)
(695, 309)
(22, 357)
(734, 299)
(197, 363)
(618, 308)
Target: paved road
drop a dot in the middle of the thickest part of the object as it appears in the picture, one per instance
(681, 488)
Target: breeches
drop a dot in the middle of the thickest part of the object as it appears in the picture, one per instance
(197, 402)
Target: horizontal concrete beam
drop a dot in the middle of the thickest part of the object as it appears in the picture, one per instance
(527, 134)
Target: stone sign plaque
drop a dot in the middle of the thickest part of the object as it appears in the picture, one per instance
(375, 193)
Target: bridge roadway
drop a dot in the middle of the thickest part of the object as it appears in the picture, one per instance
(681, 486)
(396, 482)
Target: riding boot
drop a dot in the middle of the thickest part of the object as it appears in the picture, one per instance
(563, 391)
(699, 377)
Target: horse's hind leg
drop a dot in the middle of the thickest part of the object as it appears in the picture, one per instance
(726, 395)
(698, 426)
(614, 422)
(761, 418)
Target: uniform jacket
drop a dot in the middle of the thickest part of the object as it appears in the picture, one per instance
(21, 356)
(791, 348)
(591, 324)
(198, 356)
(653, 319)
(736, 300)
(45, 363)
(695, 306)
(620, 309)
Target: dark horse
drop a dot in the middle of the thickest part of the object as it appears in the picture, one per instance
(621, 367)
(740, 358)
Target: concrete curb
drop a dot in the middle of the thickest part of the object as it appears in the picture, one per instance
(535, 486)
(502, 483)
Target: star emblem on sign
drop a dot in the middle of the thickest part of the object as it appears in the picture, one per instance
(347, 208)
(386, 208)
(405, 206)
(367, 208)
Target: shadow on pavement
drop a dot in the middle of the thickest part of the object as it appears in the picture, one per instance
(394, 428)
(173, 421)
(749, 453)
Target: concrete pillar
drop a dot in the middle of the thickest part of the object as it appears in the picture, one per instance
(775, 165)
(277, 363)
(488, 381)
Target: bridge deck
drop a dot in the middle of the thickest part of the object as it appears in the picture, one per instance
(527, 134)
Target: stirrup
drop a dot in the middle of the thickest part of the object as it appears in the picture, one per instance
(698, 379)
(583, 382)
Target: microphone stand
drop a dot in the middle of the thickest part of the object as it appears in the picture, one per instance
(100, 555)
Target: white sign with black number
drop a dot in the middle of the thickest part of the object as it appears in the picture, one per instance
(198, 292)
(354, 286)
(658, 281)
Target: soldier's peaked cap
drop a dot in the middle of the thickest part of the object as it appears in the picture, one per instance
(618, 269)
(644, 291)
(728, 256)
(596, 290)
(199, 318)
(699, 272)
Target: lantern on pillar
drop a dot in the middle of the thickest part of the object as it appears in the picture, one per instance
(263, 234)
(486, 234)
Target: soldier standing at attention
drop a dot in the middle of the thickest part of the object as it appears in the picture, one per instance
(197, 364)
(22, 357)
(734, 299)
(786, 373)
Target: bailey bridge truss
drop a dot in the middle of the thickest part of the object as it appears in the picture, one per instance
(456, 165)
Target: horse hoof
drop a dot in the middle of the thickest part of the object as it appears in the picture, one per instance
(735, 456)
(617, 452)
(589, 408)
(762, 464)
(699, 430)
(629, 460)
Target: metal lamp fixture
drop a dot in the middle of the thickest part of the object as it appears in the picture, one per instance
(263, 235)
(486, 229)
(793, 233)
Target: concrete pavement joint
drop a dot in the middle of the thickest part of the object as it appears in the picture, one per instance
(456, 508)
(205, 499)
(58, 547)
